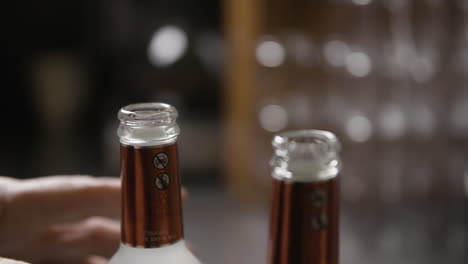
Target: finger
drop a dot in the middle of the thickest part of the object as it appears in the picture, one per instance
(95, 260)
(95, 236)
(7, 185)
(58, 199)
(10, 261)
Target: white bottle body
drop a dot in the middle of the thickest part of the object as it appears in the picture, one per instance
(177, 253)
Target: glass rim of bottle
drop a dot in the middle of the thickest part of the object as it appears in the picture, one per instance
(306, 155)
(282, 140)
(148, 114)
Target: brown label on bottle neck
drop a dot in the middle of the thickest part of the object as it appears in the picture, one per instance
(304, 222)
(151, 200)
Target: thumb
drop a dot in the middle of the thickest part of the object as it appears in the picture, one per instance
(10, 261)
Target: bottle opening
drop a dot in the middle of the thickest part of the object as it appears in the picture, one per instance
(306, 155)
(148, 124)
(316, 139)
(142, 114)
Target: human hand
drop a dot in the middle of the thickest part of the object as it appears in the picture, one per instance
(59, 219)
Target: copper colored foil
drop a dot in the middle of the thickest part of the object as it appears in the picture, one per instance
(304, 222)
(151, 201)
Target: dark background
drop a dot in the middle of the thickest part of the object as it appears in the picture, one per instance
(66, 124)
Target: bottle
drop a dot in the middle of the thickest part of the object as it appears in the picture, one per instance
(151, 224)
(305, 205)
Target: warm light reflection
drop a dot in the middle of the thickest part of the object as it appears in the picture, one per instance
(359, 128)
(167, 45)
(335, 52)
(270, 53)
(273, 118)
(358, 64)
(392, 122)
